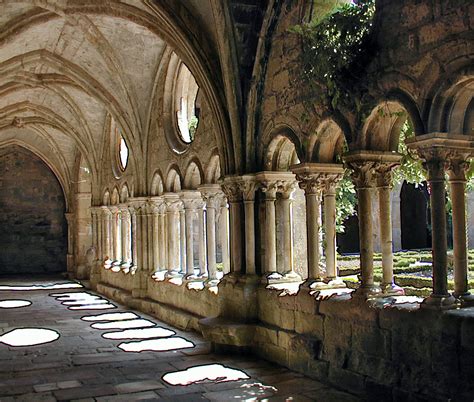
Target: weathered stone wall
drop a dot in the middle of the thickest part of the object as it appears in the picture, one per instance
(383, 354)
(33, 233)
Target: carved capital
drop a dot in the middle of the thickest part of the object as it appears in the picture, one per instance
(363, 173)
(311, 183)
(383, 173)
(457, 169)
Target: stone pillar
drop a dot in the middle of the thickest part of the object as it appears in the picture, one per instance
(233, 192)
(126, 239)
(133, 228)
(201, 240)
(470, 219)
(116, 237)
(286, 191)
(191, 201)
(363, 178)
(156, 234)
(396, 217)
(458, 166)
(70, 243)
(270, 190)
(433, 149)
(141, 273)
(249, 186)
(162, 240)
(383, 174)
(211, 195)
(173, 207)
(224, 233)
(107, 241)
(329, 193)
(182, 240)
(94, 273)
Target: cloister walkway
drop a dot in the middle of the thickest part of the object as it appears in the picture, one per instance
(72, 344)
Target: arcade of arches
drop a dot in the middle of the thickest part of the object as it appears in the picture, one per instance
(198, 183)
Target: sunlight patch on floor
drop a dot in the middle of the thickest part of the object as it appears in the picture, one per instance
(93, 307)
(29, 336)
(144, 333)
(209, 372)
(42, 287)
(110, 317)
(14, 303)
(156, 345)
(139, 323)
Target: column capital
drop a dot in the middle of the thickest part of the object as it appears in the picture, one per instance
(192, 199)
(156, 204)
(173, 202)
(231, 186)
(313, 178)
(457, 169)
(383, 172)
(272, 183)
(106, 210)
(212, 195)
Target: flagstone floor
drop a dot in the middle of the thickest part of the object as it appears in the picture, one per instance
(71, 344)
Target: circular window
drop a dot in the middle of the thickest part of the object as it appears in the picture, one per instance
(181, 105)
(123, 153)
(187, 110)
(119, 151)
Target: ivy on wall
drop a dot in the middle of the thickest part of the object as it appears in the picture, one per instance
(337, 49)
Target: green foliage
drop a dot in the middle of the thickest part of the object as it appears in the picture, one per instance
(410, 169)
(345, 201)
(336, 49)
(192, 126)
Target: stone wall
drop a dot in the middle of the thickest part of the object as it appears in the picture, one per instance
(33, 233)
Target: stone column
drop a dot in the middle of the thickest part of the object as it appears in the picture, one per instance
(126, 238)
(231, 188)
(191, 201)
(133, 228)
(156, 251)
(162, 237)
(286, 192)
(140, 274)
(363, 178)
(173, 207)
(458, 166)
(116, 237)
(383, 174)
(269, 189)
(70, 242)
(201, 240)
(433, 150)
(182, 240)
(470, 219)
(224, 233)
(107, 245)
(329, 193)
(249, 186)
(310, 183)
(211, 195)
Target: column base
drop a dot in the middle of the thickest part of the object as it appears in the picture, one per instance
(173, 274)
(108, 264)
(291, 276)
(159, 275)
(466, 299)
(133, 269)
(210, 283)
(191, 278)
(271, 277)
(333, 283)
(391, 289)
(367, 291)
(439, 302)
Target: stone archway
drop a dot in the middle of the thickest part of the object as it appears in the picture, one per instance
(32, 207)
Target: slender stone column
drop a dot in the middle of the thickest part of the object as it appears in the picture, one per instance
(182, 240)
(310, 183)
(211, 195)
(162, 237)
(286, 193)
(133, 229)
(107, 216)
(99, 244)
(232, 189)
(329, 194)
(141, 272)
(173, 204)
(363, 178)
(383, 173)
(70, 242)
(115, 237)
(458, 166)
(126, 232)
(249, 186)
(433, 150)
(270, 191)
(156, 252)
(201, 240)
(191, 201)
(224, 233)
